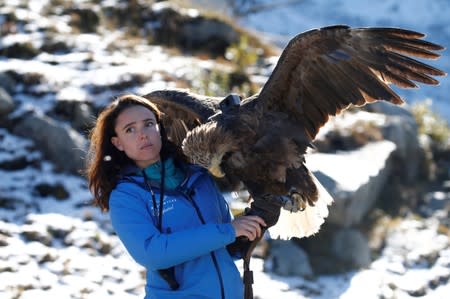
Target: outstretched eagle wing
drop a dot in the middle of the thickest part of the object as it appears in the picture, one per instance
(323, 71)
(183, 111)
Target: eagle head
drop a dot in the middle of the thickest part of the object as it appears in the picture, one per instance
(207, 144)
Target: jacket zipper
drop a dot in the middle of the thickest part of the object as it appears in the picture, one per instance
(213, 256)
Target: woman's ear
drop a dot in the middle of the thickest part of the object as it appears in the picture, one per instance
(116, 142)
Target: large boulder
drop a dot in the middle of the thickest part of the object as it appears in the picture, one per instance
(80, 114)
(361, 156)
(287, 259)
(190, 31)
(61, 144)
(354, 179)
(400, 127)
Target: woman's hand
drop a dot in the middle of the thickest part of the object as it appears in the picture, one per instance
(248, 226)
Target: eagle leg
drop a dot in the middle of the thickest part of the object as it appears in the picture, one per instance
(294, 202)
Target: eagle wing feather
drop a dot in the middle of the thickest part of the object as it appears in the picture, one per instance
(324, 71)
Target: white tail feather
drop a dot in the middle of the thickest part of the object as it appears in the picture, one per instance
(305, 223)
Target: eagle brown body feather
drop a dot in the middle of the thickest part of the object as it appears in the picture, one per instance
(268, 150)
(262, 141)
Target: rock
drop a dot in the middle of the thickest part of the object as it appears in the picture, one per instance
(83, 116)
(402, 130)
(79, 113)
(335, 250)
(433, 202)
(57, 191)
(211, 34)
(354, 179)
(446, 186)
(192, 32)
(17, 153)
(61, 144)
(86, 20)
(387, 109)
(20, 50)
(357, 178)
(55, 47)
(28, 79)
(350, 131)
(7, 82)
(37, 233)
(287, 259)
(6, 102)
(351, 247)
(57, 225)
(357, 182)
(15, 163)
(89, 238)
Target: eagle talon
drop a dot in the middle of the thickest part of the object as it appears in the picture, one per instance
(293, 202)
(298, 202)
(287, 203)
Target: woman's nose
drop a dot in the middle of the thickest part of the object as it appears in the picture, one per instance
(142, 134)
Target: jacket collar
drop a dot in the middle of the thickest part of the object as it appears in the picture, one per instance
(132, 173)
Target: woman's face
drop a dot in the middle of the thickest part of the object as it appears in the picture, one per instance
(137, 134)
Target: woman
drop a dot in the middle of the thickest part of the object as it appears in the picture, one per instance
(168, 213)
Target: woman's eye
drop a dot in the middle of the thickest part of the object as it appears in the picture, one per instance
(150, 124)
(129, 130)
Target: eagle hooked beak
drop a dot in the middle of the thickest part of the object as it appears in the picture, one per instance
(214, 167)
(216, 171)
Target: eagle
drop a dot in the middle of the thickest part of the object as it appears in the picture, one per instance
(259, 143)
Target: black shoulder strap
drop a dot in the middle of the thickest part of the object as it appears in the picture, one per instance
(248, 274)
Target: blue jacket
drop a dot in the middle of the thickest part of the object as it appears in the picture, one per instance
(195, 244)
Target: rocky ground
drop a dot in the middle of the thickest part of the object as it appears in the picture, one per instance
(53, 255)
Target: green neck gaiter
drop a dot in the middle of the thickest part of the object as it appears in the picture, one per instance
(173, 175)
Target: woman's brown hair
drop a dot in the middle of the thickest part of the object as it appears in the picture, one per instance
(105, 161)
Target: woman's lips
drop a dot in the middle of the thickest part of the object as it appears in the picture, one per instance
(147, 146)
